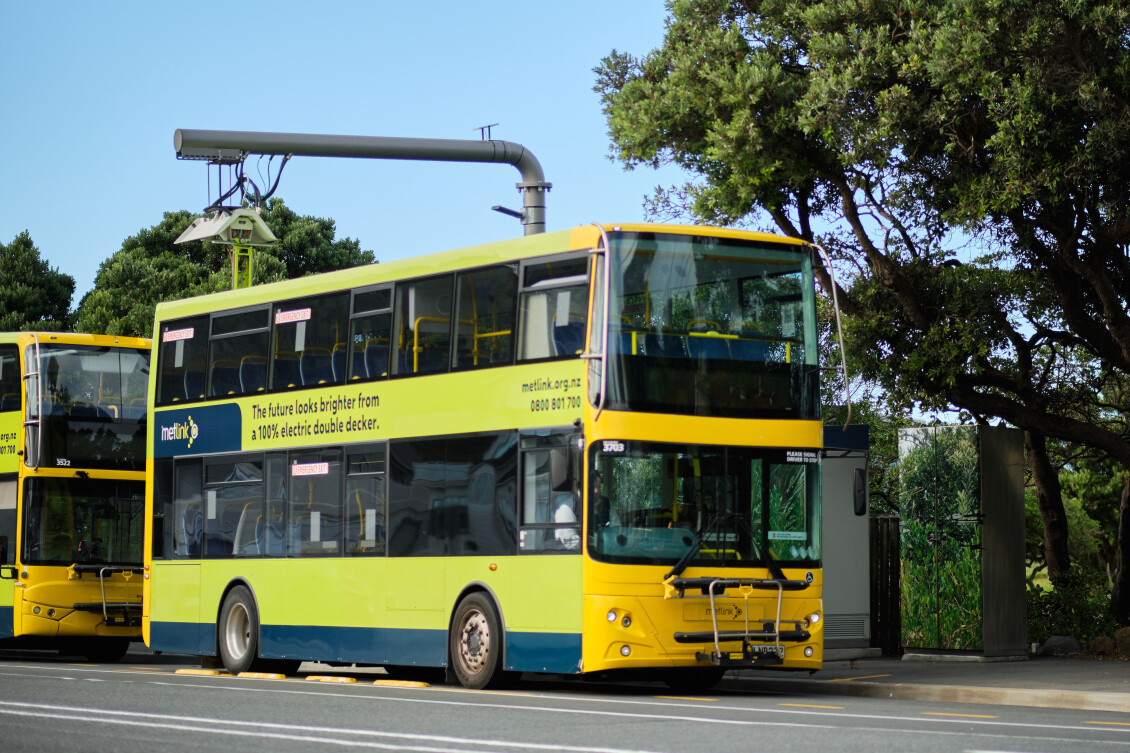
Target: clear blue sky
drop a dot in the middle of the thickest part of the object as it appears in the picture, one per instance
(91, 94)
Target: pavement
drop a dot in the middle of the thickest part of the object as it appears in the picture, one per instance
(1040, 681)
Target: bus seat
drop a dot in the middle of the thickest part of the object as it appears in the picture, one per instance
(110, 408)
(193, 530)
(432, 359)
(376, 360)
(316, 366)
(707, 343)
(748, 349)
(136, 408)
(569, 339)
(225, 377)
(83, 410)
(253, 373)
(248, 534)
(286, 370)
(631, 342)
(664, 344)
(10, 401)
(276, 535)
(340, 360)
(194, 383)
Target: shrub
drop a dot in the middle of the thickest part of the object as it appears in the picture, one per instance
(1077, 604)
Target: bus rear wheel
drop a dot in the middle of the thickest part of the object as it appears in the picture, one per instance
(239, 631)
(475, 643)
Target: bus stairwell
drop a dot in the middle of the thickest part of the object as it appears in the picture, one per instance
(760, 647)
(115, 613)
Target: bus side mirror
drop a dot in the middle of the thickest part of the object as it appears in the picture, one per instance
(859, 491)
(8, 572)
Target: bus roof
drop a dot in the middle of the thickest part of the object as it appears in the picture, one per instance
(513, 249)
(75, 338)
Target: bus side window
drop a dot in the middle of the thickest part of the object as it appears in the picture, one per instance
(455, 497)
(365, 507)
(9, 378)
(314, 505)
(366, 354)
(182, 349)
(234, 337)
(233, 507)
(553, 309)
(8, 521)
(423, 326)
(485, 324)
(551, 508)
(307, 335)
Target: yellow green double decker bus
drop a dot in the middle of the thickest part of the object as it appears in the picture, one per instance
(72, 491)
(592, 451)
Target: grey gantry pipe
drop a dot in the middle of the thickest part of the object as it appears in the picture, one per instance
(234, 146)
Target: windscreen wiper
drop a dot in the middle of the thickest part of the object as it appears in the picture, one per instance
(685, 560)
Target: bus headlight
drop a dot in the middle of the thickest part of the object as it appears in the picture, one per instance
(625, 650)
(627, 621)
(808, 652)
(612, 615)
(814, 618)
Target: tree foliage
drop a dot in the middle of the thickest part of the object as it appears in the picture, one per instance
(150, 268)
(33, 294)
(965, 162)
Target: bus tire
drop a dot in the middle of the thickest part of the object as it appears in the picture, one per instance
(475, 643)
(238, 631)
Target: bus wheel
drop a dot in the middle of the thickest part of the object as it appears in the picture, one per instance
(476, 643)
(694, 679)
(238, 631)
(106, 649)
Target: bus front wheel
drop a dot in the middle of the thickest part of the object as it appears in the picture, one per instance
(239, 631)
(476, 643)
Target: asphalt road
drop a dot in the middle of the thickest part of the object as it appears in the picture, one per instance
(142, 705)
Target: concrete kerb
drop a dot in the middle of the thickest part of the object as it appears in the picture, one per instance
(1044, 698)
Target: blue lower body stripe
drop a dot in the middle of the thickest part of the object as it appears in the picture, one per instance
(525, 652)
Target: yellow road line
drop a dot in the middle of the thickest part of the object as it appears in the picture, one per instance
(686, 698)
(811, 706)
(1113, 724)
(262, 675)
(850, 679)
(402, 683)
(970, 716)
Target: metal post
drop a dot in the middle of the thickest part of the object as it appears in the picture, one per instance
(234, 146)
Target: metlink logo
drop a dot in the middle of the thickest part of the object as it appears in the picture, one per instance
(178, 431)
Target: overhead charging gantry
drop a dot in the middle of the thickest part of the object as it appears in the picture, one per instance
(241, 229)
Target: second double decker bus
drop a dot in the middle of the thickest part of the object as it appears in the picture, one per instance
(585, 451)
(72, 491)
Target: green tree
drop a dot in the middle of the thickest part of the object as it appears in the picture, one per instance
(965, 164)
(33, 294)
(150, 268)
